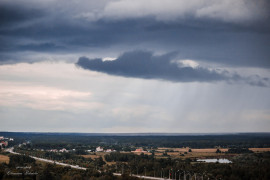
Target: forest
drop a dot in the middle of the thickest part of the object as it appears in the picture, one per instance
(129, 141)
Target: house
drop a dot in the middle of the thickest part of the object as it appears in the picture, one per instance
(4, 143)
(108, 150)
(63, 150)
(1, 137)
(53, 150)
(99, 149)
(139, 151)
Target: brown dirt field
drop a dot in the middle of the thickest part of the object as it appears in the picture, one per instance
(196, 153)
(259, 149)
(4, 159)
(210, 150)
(138, 153)
(96, 155)
(92, 156)
(99, 154)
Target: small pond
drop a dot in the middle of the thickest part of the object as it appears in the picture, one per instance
(214, 160)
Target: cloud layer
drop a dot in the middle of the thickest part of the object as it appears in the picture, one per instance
(234, 33)
(143, 64)
(171, 10)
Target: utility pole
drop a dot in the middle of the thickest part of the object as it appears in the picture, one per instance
(144, 171)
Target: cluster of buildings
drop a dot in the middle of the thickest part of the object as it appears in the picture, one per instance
(4, 141)
(100, 149)
(61, 150)
(139, 151)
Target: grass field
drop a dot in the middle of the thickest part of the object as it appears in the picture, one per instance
(4, 159)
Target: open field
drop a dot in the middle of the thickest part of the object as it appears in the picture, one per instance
(210, 150)
(4, 159)
(259, 149)
(138, 153)
(196, 153)
(199, 153)
(92, 156)
(97, 155)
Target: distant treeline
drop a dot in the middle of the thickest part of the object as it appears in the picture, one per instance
(58, 140)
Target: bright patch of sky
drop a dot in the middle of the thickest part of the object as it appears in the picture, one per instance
(62, 97)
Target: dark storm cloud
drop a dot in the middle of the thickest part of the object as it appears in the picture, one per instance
(143, 64)
(13, 14)
(41, 47)
(230, 47)
(63, 28)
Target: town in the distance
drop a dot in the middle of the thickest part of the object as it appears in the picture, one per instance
(134, 156)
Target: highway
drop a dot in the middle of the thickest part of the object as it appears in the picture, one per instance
(10, 150)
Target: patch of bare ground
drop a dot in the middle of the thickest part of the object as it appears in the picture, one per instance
(138, 153)
(4, 159)
(184, 153)
(97, 155)
(259, 149)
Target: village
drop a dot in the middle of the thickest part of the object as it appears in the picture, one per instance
(141, 157)
(4, 141)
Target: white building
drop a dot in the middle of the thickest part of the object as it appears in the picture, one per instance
(99, 149)
(63, 150)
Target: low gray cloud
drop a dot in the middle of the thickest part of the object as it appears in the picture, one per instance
(143, 64)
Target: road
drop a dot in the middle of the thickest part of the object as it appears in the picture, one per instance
(142, 177)
(10, 150)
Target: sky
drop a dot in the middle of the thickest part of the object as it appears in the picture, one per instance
(124, 66)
